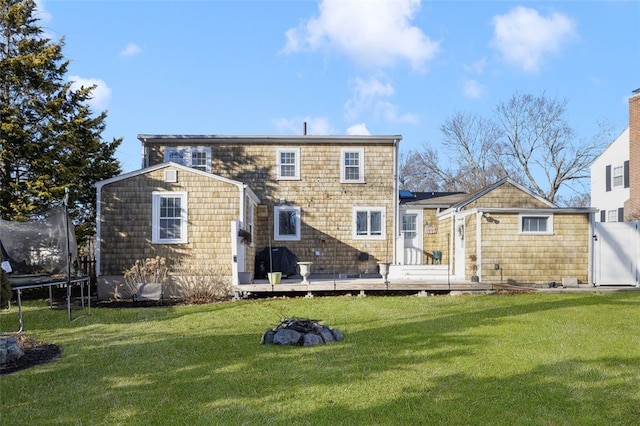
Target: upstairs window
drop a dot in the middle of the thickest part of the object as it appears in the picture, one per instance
(169, 217)
(288, 164)
(618, 176)
(536, 224)
(368, 223)
(352, 166)
(196, 157)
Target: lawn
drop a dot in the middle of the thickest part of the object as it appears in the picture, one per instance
(552, 359)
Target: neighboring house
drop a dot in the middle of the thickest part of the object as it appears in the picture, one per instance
(615, 174)
(328, 199)
(502, 234)
(610, 180)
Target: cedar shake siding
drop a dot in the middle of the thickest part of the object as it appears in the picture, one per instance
(325, 201)
(126, 220)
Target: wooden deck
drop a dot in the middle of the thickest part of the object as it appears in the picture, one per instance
(361, 286)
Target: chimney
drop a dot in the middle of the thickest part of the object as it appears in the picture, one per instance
(632, 205)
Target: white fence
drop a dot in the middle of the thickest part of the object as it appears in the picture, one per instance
(616, 253)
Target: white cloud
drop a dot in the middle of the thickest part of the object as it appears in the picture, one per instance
(130, 49)
(389, 113)
(101, 95)
(365, 93)
(41, 13)
(369, 97)
(358, 129)
(523, 37)
(473, 89)
(315, 125)
(373, 33)
(477, 67)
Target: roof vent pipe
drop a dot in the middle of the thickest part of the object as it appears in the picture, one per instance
(304, 128)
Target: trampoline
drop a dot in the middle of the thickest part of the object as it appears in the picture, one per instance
(40, 253)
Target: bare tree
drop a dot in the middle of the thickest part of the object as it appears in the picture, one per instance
(528, 140)
(538, 141)
(470, 147)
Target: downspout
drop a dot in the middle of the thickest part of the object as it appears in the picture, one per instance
(479, 244)
(396, 202)
(591, 255)
(98, 226)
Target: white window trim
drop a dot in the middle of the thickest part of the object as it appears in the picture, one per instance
(250, 224)
(276, 219)
(184, 155)
(155, 221)
(612, 215)
(279, 176)
(360, 152)
(207, 151)
(549, 218)
(614, 176)
(368, 209)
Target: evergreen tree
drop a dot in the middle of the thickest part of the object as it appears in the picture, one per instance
(50, 140)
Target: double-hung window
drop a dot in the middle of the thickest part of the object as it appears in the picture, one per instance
(287, 223)
(169, 217)
(368, 223)
(198, 157)
(536, 224)
(352, 165)
(288, 163)
(618, 176)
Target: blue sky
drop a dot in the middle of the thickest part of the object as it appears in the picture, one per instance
(344, 67)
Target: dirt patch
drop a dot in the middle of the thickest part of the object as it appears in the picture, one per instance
(35, 353)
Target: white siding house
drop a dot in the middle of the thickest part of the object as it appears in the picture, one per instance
(610, 180)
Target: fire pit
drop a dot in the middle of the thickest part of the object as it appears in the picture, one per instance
(301, 332)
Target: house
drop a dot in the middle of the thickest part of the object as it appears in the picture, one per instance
(500, 235)
(332, 201)
(615, 174)
(220, 199)
(610, 180)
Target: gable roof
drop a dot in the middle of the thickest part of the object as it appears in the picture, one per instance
(153, 168)
(462, 204)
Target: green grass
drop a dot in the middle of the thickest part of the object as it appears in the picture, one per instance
(553, 359)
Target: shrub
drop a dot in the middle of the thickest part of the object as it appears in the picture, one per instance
(151, 270)
(201, 283)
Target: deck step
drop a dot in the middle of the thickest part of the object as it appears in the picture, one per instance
(421, 272)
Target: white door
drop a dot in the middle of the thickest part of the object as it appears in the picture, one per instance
(412, 237)
(616, 253)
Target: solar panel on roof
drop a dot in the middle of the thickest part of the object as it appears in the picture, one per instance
(405, 193)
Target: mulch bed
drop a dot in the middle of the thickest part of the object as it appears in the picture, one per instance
(35, 353)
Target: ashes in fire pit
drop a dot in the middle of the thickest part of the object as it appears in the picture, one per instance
(301, 332)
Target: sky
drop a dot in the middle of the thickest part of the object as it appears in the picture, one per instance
(379, 67)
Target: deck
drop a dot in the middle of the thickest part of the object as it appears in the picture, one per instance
(325, 285)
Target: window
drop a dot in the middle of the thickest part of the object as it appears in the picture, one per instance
(287, 223)
(536, 224)
(250, 214)
(169, 221)
(368, 223)
(409, 226)
(201, 159)
(352, 167)
(288, 164)
(618, 176)
(612, 215)
(196, 157)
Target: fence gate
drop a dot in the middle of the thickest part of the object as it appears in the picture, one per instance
(616, 253)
